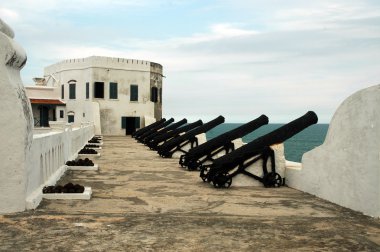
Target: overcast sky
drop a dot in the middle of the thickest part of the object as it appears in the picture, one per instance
(237, 58)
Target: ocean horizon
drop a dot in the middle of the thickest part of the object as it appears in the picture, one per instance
(295, 146)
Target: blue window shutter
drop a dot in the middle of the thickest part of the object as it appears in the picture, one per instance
(72, 91)
(87, 90)
(70, 118)
(113, 90)
(137, 122)
(123, 122)
(134, 93)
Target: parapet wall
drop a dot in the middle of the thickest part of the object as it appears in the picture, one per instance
(346, 168)
(102, 62)
(27, 162)
(47, 156)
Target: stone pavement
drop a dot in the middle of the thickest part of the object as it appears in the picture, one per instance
(142, 202)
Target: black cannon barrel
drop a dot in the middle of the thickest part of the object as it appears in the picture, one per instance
(219, 141)
(255, 147)
(146, 128)
(168, 146)
(171, 127)
(174, 133)
(154, 129)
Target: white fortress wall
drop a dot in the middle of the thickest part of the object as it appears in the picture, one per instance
(28, 162)
(16, 124)
(47, 156)
(125, 72)
(345, 169)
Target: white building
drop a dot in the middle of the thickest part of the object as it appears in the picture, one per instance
(114, 93)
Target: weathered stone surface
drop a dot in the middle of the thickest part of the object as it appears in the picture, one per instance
(142, 202)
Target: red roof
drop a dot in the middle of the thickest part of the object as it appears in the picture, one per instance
(47, 101)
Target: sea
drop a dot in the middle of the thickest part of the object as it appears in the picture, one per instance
(295, 146)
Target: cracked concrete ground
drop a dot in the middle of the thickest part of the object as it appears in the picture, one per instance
(142, 202)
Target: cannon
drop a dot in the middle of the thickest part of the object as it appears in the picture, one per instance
(159, 140)
(169, 128)
(223, 169)
(207, 151)
(154, 129)
(146, 128)
(176, 144)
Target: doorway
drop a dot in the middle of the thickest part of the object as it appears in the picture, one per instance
(130, 124)
(44, 116)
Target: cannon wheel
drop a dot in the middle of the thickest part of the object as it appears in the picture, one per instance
(222, 181)
(272, 179)
(204, 172)
(193, 165)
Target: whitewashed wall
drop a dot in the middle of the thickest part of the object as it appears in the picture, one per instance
(16, 123)
(125, 72)
(346, 168)
(47, 156)
(28, 162)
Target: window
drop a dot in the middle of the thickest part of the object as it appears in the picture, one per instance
(113, 90)
(72, 91)
(70, 118)
(62, 92)
(153, 94)
(99, 90)
(134, 93)
(61, 114)
(160, 95)
(87, 90)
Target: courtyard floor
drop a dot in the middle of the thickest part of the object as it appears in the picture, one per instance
(142, 202)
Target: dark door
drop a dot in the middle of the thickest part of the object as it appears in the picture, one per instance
(44, 116)
(130, 125)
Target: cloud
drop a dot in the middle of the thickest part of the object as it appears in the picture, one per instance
(237, 58)
(9, 14)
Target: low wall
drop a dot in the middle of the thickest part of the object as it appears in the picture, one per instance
(201, 139)
(345, 169)
(256, 168)
(47, 157)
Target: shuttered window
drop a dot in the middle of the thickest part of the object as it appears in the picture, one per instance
(72, 91)
(134, 93)
(70, 118)
(113, 90)
(154, 94)
(87, 90)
